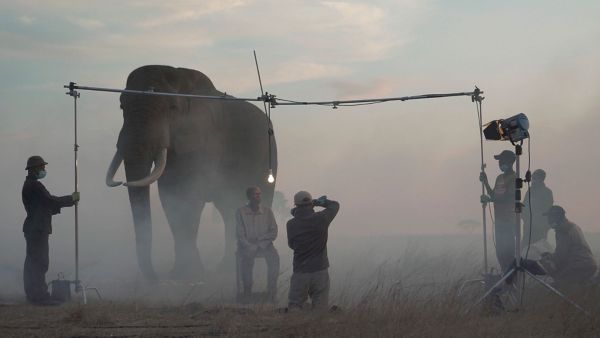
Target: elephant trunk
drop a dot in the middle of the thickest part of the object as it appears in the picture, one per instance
(139, 198)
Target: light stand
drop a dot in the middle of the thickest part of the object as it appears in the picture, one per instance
(488, 277)
(519, 268)
(78, 286)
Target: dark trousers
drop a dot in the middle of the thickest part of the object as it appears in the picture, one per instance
(505, 244)
(36, 266)
(246, 266)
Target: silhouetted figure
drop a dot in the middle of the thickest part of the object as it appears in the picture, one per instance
(256, 231)
(541, 201)
(503, 198)
(280, 206)
(572, 262)
(307, 236)
(40, 206)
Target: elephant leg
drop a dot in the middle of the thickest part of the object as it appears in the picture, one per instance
(227, 207)
(183, 211)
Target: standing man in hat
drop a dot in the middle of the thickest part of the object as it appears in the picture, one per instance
(503, 197)
(572, 262)
(256, 230)
(40, 205)
(307, 236)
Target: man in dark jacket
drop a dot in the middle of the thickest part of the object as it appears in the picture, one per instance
(572, 262)
(503, 197)
(40, 206)
(307, 236)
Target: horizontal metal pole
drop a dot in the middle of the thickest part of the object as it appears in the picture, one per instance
(152, 92)
(385, 99)
(273, 100)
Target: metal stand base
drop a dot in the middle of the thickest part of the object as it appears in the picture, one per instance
(513, 274)
(79, 288)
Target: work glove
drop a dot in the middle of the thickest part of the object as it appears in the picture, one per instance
(76, 197)
(485, 198)
(320, 202)
(483, 177)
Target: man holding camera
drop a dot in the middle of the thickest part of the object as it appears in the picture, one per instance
(503, 197)
(307, 236)
(572, 262)
(40, 206)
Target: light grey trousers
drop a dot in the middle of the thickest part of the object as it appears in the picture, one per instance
(310, 284)
(246, 266)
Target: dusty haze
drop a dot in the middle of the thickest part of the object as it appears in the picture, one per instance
(398, 169)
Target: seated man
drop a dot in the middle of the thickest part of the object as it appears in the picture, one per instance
(256, 231)
(572, 262)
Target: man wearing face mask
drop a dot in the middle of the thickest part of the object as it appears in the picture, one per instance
(572, 262)
(503, 197)
(535, 222)
(40, 205)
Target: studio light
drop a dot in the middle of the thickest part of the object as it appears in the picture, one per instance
(512, 129)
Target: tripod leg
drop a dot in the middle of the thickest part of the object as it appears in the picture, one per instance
(465, 283)
(490, 290)
(96, 290)
(556, 292)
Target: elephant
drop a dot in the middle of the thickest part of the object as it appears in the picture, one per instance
(203, 150)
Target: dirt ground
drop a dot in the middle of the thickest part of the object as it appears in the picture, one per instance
(380, 314)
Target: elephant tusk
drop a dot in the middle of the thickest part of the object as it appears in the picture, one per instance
(112, 170)
(159, 167)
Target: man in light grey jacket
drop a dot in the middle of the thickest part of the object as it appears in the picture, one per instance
(256, 231)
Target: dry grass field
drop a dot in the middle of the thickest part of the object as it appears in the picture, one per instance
(382, 313)
(414, 294)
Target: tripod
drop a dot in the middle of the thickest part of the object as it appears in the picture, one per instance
(520, 267)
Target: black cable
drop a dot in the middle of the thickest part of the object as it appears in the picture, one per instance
(332, 104)
(267, 111)
(529, 197)
(530, 211)
(493, 226)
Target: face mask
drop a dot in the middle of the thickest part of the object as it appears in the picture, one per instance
(41, 174)
(504, 168)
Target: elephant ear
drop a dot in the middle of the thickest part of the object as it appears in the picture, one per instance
(193, 120)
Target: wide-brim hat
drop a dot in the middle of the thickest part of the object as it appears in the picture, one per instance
(34, 162)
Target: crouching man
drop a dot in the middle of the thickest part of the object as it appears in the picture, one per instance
(307, 236)
(572, 262)
(256, 231)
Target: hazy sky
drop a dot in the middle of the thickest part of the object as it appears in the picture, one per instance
(403, 167)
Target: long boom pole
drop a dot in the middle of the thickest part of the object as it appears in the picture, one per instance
(272, 98)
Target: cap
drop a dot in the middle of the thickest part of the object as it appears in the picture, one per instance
(302, 198)
(555, 210)
(34, 162)
(506, 155)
